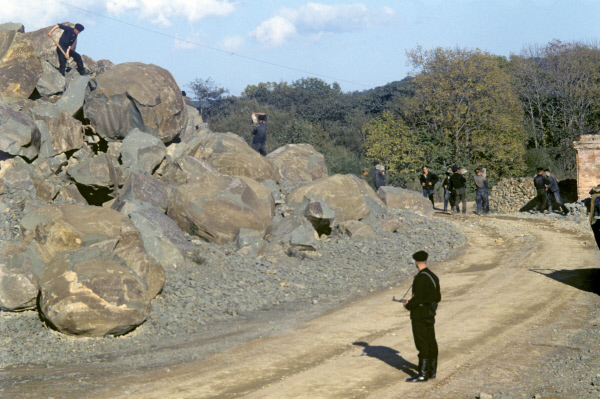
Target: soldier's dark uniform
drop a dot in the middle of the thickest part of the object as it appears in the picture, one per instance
(426, 294)
(540, 182)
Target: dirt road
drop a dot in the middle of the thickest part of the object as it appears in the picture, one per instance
(517, 294)
(502, 304)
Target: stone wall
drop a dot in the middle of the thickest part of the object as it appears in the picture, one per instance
(588, 164)
(510, 195)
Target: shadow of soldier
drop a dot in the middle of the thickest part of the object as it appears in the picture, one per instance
(583, 279)
(389, 356)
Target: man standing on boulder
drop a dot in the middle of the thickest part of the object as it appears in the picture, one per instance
(67, 43)
(426, 295)
(259, 133)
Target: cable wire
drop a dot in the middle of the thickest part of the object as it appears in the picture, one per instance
(209, 47)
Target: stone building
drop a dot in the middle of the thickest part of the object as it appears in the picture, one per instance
(588, 163)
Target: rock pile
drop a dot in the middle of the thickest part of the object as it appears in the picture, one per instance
(111, 181)
(510, 195)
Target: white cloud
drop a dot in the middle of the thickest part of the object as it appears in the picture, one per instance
(232, 43)
(316, 20)
(36, 14)
(163, 11)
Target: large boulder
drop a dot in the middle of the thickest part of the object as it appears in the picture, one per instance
(142, 152)
(399, 198)
(72, 99)
(136, 95)
(20, 69)
(54, 229)
(97, 174)
(299, 163)
(231, 155)
(92, 293)
(341, 193)
(296, 231)
(215, 207)
(19, 135)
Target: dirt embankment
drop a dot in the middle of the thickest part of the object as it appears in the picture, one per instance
(517, 319)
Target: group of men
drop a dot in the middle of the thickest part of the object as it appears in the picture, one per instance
(548, 192)
(455, 189)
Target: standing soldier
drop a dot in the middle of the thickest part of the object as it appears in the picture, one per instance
(428, 181)
(426, 295)
(67, 43)
(540, 182)
(553, 191)
(458, 186)
(482, 195)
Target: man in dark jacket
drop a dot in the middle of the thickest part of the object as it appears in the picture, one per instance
(540, 182)
(259, 133)
(67, 43)
(482, 194)
(426, 294)
(428, 181)
(458, 187)
(553, 192)
(378, 174)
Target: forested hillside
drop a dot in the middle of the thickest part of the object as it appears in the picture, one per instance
(459, 106)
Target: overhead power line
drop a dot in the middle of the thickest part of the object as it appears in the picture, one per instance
(209, 47)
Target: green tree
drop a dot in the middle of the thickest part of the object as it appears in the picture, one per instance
(206, 93)
(465, 101)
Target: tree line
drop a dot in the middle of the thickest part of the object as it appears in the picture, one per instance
(458, 106)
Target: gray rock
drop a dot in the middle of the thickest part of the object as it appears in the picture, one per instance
(135, 95)
(18, 284)
(186, 169)
(317, 212)
(144, 188)
(72, 99)
(51, 82)
(297, 231)
(19, 135)
(142, 152)
(299, 163)
(12, 26)
(94, 173)
(250, 243)
(19, 179)
(163, 240)
(356, 229)
(65, 133)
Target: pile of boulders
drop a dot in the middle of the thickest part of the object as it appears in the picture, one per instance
(107, 175)
(510, 195)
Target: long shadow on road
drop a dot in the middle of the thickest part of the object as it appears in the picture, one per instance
(389, 356)
(584, 279)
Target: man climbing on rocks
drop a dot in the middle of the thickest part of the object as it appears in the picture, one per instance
(67, 43)
(426, 295)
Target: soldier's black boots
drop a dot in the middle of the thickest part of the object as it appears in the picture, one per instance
(423, 372)
(432, 368)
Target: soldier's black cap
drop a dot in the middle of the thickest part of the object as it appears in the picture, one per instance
(540, 169)
(375, 162)
(454, 168)
(79, 28)
(420, 256)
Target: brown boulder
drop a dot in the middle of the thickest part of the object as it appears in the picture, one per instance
(93, 293)
(399, 198)
(135, 95)
(299, 163)
(20, 69)
(341, 193)
(231, 155)
(216, 207)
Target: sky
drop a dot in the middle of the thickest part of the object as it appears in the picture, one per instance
(358, 44)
